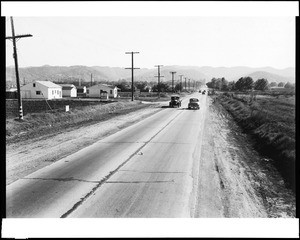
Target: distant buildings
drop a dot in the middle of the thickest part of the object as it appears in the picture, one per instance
(49, 90)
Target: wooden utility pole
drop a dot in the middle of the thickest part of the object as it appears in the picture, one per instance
(172, 80)
(180, 82)
(132, 68)
(189, 84)
(14, 37)
(185, 84)
(158, 78)
(91, 79)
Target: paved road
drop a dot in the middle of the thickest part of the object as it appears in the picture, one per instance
(149, 169)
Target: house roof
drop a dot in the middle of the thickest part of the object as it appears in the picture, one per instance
(81, 87)
(11, 90)
(67, 86)
(49, 84)
(102, 85)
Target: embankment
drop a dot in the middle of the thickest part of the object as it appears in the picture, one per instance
(270, 122)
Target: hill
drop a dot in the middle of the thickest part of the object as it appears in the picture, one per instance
(234, 73)
(104, 73)
(270, 77)
(98, 73)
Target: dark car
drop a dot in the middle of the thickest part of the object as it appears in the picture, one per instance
(203, 92)
(175, 101)
(194, 103)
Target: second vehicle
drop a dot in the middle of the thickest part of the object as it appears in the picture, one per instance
(194, 103)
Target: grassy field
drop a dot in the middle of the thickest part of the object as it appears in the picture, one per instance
(271, 122)
(52, 122)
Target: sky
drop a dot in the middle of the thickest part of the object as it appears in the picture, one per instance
(217, 41)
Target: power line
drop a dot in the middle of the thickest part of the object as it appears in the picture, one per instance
(132, 69)
(180, 82)
(158, 78)
(14, 37)
(173, 80)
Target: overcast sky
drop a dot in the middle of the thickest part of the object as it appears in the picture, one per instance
(185, 40)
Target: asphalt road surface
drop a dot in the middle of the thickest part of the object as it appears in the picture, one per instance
(149, 169)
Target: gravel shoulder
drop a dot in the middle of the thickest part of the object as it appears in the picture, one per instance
(25, 157)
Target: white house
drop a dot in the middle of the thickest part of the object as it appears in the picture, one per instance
(41, 89)
(68, 90)
(102, 90)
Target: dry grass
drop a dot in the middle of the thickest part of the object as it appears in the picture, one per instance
(41, 124)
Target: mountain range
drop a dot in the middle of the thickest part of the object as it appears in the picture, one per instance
(105, 73)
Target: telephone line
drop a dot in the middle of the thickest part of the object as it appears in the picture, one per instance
(15, 56)
(132, 69)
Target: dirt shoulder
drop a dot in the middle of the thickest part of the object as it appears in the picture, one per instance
(237, 181)
(25, 157)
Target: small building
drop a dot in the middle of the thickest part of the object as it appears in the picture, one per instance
(11, 93)
(41, 90)
(102, 90)
(81, 91)
(68, 90)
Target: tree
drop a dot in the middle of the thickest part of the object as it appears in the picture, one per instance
(178, 87)
(162, 87)
(218, 83)
(124, 86)
(281, 84)
(288, 85)
(244, 83)
(141, 85)
(273, 84)
(224, 84)
(231, 86)
(261, 84)
(209, 85)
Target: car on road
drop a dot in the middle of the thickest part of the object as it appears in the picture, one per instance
(194, 103)
(203, 92)
(175, 101)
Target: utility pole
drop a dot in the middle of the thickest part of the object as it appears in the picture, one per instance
(185, 84)
(180, 82)
(158, 78)
(189, 84)
(24, 80)
(172, 80)
(14, 37)
(91, 79)
(132, 68)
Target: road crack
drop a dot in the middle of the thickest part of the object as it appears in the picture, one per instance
(140, 181)
(62, 179)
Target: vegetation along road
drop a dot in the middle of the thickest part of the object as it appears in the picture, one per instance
(170, 162)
